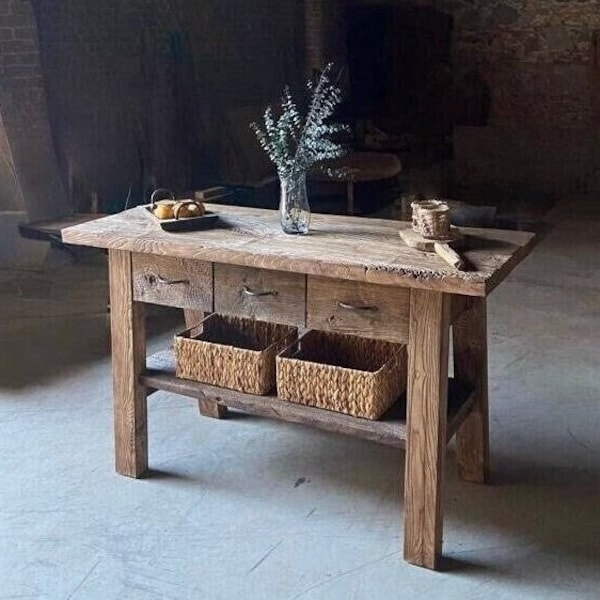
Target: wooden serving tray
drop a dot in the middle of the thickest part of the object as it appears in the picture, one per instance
(207, 221)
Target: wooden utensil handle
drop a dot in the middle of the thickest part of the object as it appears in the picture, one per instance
(449, 255)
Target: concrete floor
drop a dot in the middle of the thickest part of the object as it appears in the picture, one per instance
(252, 509)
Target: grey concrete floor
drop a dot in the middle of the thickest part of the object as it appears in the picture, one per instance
(252, 509)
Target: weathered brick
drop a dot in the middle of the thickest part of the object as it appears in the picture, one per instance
(17, 46)
(9, 59)
(20, 71)
(26, 58)
(25, 33)
(16, 21)
(27, 82)
(98, 53)
(6, 33)
(21, 7)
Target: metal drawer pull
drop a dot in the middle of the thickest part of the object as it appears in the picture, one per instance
(159, 279)
(346, 306)
(248, 292)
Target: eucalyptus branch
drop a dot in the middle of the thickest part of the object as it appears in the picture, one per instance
(295, 143)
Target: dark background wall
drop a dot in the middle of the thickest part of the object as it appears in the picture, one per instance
(29, 175)
(540, 61)
(140, 93)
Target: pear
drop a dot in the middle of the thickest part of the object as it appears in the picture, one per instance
(164, 210)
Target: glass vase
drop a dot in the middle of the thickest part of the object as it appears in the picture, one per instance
(294, 211)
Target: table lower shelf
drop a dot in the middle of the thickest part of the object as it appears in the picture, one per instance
(390, 430)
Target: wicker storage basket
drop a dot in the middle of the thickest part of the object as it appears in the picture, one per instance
(348, 374)
(232, 352)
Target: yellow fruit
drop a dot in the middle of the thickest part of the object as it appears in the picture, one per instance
(188, 208)
(164, 211)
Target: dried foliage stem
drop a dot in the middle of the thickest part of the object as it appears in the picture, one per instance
(295, 143)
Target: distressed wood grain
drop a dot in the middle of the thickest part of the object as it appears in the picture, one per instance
(426, 427)
(173, 281)
(128, 338)
(390, 430)
(212, 408)
(341, 247)
(261, 294)
(365, 309)
(459, 305)
(356, 264)
(469, 334)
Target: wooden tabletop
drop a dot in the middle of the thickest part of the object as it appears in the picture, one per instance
(354, 248)
(45, 230)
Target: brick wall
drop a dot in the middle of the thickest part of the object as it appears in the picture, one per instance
(541, 62)
(138, 92)
(27, 147)
(542, 66)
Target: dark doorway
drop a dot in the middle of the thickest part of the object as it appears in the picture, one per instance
(399, 65)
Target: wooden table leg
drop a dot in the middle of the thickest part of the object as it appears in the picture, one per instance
(128, 334)
(207, 406)
(470, 364)
(426, 426)
(350, 196)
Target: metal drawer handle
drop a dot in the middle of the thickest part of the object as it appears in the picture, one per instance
(157, 278)
(248, 292)
(347, 306)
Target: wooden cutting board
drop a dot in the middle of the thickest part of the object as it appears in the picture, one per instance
(443, 248)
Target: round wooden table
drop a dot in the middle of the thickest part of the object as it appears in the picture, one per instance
(357, 167)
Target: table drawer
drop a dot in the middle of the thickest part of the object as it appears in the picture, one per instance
(260, 294)
(172, 281)
(366, 309)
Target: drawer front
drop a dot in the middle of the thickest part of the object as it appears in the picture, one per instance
(365, 309)
(260, 294)
(173, 281)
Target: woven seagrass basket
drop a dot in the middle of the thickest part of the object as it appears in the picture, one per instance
(232, 352)
(348, 374)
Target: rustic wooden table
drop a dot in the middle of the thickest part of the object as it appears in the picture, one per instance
(349, 274)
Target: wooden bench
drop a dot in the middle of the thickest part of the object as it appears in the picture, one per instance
(50, 230)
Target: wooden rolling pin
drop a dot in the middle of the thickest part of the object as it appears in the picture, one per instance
(443, 248)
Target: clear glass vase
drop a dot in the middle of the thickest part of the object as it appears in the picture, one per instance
(294, 211)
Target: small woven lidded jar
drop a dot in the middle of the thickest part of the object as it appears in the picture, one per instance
(431, 219)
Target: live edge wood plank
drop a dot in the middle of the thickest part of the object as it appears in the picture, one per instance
(358, 249)
(128, 360)
(160, 375)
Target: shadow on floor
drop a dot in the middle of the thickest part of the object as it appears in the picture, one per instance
(529, 507)
(41, 350)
